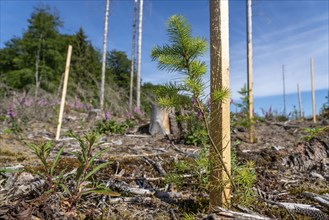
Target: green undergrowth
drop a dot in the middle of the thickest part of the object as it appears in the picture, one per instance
(11, 156)
(113, 127)
(312, 133)
(70, 179)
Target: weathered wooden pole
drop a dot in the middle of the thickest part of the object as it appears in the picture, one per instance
(300, 102)
(66, 77)
(220, 149)
(313, 93)
(284, 92)
(249, 69)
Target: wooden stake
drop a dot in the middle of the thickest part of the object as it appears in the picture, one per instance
(66, 76)
(249, 69)
(313, 93)
(300, 102)
(220, 149)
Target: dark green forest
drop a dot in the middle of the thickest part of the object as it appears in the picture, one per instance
(40, 55)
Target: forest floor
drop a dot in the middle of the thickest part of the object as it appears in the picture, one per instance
(291, 163)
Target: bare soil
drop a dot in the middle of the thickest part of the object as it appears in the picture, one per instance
(287, 166)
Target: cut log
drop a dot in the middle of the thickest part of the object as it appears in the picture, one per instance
(221, 213)
(321, 199)
(304, 209)
(159, 121)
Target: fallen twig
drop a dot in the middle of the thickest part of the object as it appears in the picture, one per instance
(157, 166)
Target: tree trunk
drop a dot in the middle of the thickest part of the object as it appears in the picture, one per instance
(37, 77)
(104, 55)
(139, 54)
(132, 69)
(220, 149)
(313, 93)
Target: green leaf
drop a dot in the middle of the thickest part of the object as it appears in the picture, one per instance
(100, 166)
(91, 161)
(8, 170)
(56, 160)
(65, 189)
(79, 172)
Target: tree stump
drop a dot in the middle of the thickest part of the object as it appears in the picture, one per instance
(175, 131)
(159, 121)
(94, 114)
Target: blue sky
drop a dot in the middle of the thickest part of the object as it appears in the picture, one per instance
(284, 32)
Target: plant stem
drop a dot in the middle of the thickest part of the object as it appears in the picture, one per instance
(204, 118)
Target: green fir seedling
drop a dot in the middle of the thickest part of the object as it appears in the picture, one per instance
(182, 55)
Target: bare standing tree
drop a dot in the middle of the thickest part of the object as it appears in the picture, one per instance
(132, 68)
(104, 55)
(37, 77)
(139, 54)
(220, 149)
(284, 92)
(249, 69)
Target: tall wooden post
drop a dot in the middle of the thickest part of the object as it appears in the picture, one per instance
(249, 69)
(220, 187)
(300, 102)
(313, 93)
(66, 77)
(284, 92)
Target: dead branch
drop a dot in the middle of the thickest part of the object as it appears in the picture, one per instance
(130, 200)
(157, 166)
(122, 186)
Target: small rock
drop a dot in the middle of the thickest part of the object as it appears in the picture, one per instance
(117, 142)
(277, 148)
(24, 178)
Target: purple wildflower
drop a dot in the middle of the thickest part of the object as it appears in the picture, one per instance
(193, 100)
(199, 114)
(11, 113)
(107, 115)
(138, 111)
(128, 115)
